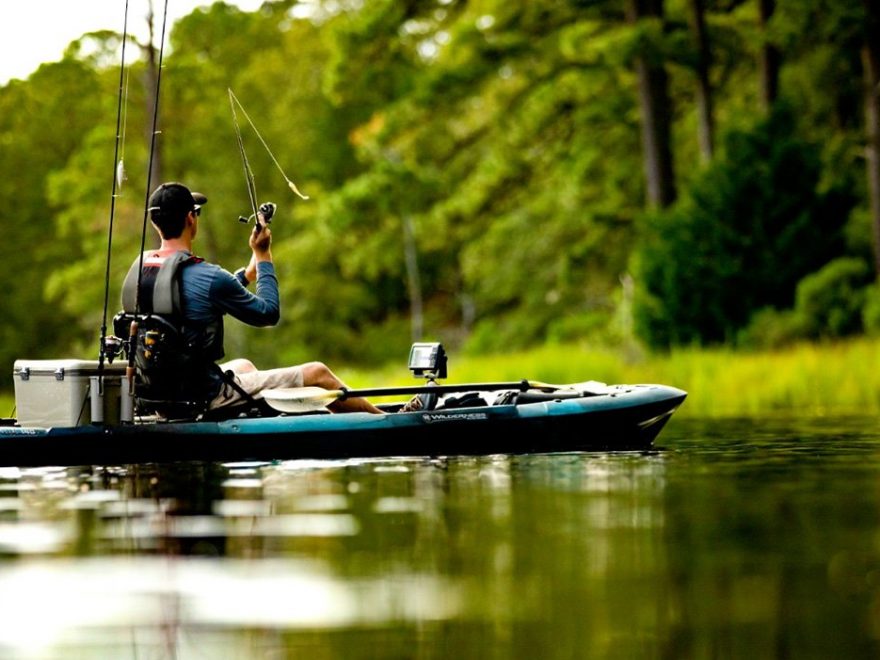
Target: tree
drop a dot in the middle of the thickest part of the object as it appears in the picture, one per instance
(770, 57)
(655, 104)
(706, 120)
(42, 122)
(871, 73)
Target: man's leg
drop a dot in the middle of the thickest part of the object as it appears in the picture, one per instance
(319, 374)
(253, 381)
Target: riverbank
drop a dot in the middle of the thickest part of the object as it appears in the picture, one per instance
(836, 378)
(804, 379)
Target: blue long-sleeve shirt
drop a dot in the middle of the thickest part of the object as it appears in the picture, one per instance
(210, 291)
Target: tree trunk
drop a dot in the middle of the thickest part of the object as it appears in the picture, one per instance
(151, 85)
(656, 110)
(706, 122)
(411, 258)
(871, 73)
(770, 57)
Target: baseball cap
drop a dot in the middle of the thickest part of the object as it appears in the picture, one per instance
(174, 198)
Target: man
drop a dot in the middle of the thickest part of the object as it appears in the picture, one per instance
(207, 292)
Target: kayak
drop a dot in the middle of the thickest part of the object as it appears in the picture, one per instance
(468, 419)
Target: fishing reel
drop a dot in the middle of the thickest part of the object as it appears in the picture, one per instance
(112, 347)
(267, 210)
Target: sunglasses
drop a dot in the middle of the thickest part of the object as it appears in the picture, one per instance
(197, 211)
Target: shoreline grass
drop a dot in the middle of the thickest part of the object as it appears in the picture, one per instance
(814, 379)
(822, 378)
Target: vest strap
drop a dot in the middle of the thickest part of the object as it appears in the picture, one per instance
(160, 292)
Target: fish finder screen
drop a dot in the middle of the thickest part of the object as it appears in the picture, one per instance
(422, 357)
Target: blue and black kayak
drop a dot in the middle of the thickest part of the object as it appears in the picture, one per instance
(467, 419)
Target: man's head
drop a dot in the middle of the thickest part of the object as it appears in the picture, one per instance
(170, 205)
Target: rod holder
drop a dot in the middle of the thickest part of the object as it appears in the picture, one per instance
(96, 394)
(126, 402)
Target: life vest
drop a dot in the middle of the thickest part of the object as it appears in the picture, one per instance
(174, 359)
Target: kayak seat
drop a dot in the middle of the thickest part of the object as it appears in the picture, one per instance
(169, 410)
(190, 411)
(255, 408)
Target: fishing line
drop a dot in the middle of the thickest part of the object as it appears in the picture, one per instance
(248, 172)
(233, 100)
(123, 93)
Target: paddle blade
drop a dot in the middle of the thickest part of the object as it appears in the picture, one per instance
(300, 399)
(589, 387)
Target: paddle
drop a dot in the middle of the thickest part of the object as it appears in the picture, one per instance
(311, 399)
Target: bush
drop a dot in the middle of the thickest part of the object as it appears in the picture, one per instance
(772, 328)
(830, 302)
(750, 227)
(871, 311)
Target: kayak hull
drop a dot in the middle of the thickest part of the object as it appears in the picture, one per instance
(624, 418)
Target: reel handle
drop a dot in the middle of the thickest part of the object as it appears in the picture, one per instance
(267, 210)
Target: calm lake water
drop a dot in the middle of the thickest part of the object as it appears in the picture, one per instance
(733, 538)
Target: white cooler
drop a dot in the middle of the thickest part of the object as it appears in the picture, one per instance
(56, 393)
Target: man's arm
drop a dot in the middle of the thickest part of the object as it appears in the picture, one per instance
(259, 309)
(229, 294)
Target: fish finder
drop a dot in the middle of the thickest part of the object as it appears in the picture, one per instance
(427, 360)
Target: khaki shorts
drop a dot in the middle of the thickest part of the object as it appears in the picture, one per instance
(254, 382)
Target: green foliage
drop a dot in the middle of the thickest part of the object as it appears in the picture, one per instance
(53, 110)
(871, 311)
(772, 328)
(751, 226)
(833, 302)
(829, 302)
(513, 146)
(506, 135)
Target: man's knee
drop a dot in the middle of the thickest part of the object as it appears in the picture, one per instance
(239, 366)
(318, 373)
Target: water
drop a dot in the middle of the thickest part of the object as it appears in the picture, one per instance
(733, 538)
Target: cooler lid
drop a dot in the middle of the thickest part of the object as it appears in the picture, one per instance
(63, 368)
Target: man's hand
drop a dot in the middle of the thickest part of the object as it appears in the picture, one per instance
(261, 240)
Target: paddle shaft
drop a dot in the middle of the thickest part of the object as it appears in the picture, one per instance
(521, 385)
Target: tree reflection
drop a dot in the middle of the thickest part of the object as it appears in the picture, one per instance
(737, 539)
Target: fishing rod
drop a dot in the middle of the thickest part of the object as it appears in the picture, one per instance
(267, 210)
(118, 175)
(133, 328)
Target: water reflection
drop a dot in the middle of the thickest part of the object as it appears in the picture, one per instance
(731, 539)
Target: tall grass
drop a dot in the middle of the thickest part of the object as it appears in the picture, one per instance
(808, 378)
(7, 404)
